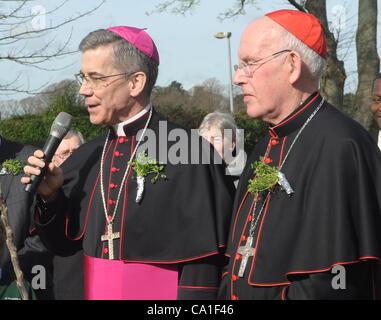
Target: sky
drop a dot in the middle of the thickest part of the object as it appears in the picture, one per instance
(189, 52)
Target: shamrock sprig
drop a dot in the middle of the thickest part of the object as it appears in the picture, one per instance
(12, 166)
(266, 177)
(144, 165)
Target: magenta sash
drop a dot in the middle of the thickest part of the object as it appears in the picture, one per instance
(119, 280)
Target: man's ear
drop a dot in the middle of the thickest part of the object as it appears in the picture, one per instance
(295, 63)
(137, 83)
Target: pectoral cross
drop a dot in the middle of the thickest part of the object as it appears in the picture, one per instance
(245, 251)
(109, 237)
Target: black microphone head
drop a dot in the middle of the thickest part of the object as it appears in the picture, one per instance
(61, 125)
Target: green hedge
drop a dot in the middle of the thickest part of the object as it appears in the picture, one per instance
(254, 129)
(34, 129)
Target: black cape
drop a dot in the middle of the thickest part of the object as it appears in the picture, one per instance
(183, 219)
(333, 217)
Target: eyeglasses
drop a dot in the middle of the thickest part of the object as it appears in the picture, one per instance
(64, 155)
(250, 67)
(96, 82)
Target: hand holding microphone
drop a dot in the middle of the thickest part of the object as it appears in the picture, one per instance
(44, 176)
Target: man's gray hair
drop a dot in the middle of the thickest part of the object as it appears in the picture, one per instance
(126, 57)
(75, 133)
(314, 62)
(219, 120)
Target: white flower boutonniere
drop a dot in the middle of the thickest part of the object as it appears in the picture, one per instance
(143, 166)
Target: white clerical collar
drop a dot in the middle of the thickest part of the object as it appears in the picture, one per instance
(379, 139)
(118, 128)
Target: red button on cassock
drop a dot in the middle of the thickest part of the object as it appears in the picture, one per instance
(268, 160)
(118, 154)
(113, 169)
(105, 250)
(274, 142)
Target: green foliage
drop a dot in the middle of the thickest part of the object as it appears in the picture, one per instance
(254, 129)
(33, 129)
(144, 165)
(25, 129)
(266, 177)
(185, 117)
(13, 166)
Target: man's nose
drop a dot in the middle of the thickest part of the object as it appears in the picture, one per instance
(239, 77)
(85, 89)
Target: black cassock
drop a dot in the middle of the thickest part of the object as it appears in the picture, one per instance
(333, 217)
(182, 220)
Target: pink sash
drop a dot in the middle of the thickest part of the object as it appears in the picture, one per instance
(119, 280)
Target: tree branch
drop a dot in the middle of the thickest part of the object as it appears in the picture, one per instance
(300, 7)
(54, 27)
(180, 7)
(239, 9)
(18, 30)
(20, 282)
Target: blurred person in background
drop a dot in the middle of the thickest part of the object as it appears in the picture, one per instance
(220, 130)
(68, 271)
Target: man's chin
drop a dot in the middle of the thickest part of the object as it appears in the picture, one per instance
(252, 112)
(95, 121)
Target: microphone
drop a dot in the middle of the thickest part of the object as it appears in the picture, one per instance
(60, 127)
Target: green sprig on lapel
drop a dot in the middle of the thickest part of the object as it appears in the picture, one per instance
(266, 177)
(12, 166)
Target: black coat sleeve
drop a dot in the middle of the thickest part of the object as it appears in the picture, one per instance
(200, 279)
(223, 289)
(50, 222)
(355, 283)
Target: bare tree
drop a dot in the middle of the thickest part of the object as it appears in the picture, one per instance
(368, 62)
(20, 24)
(209, 96)
(172, 96)
(7, 236)
(334, 76)
(182, 7)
